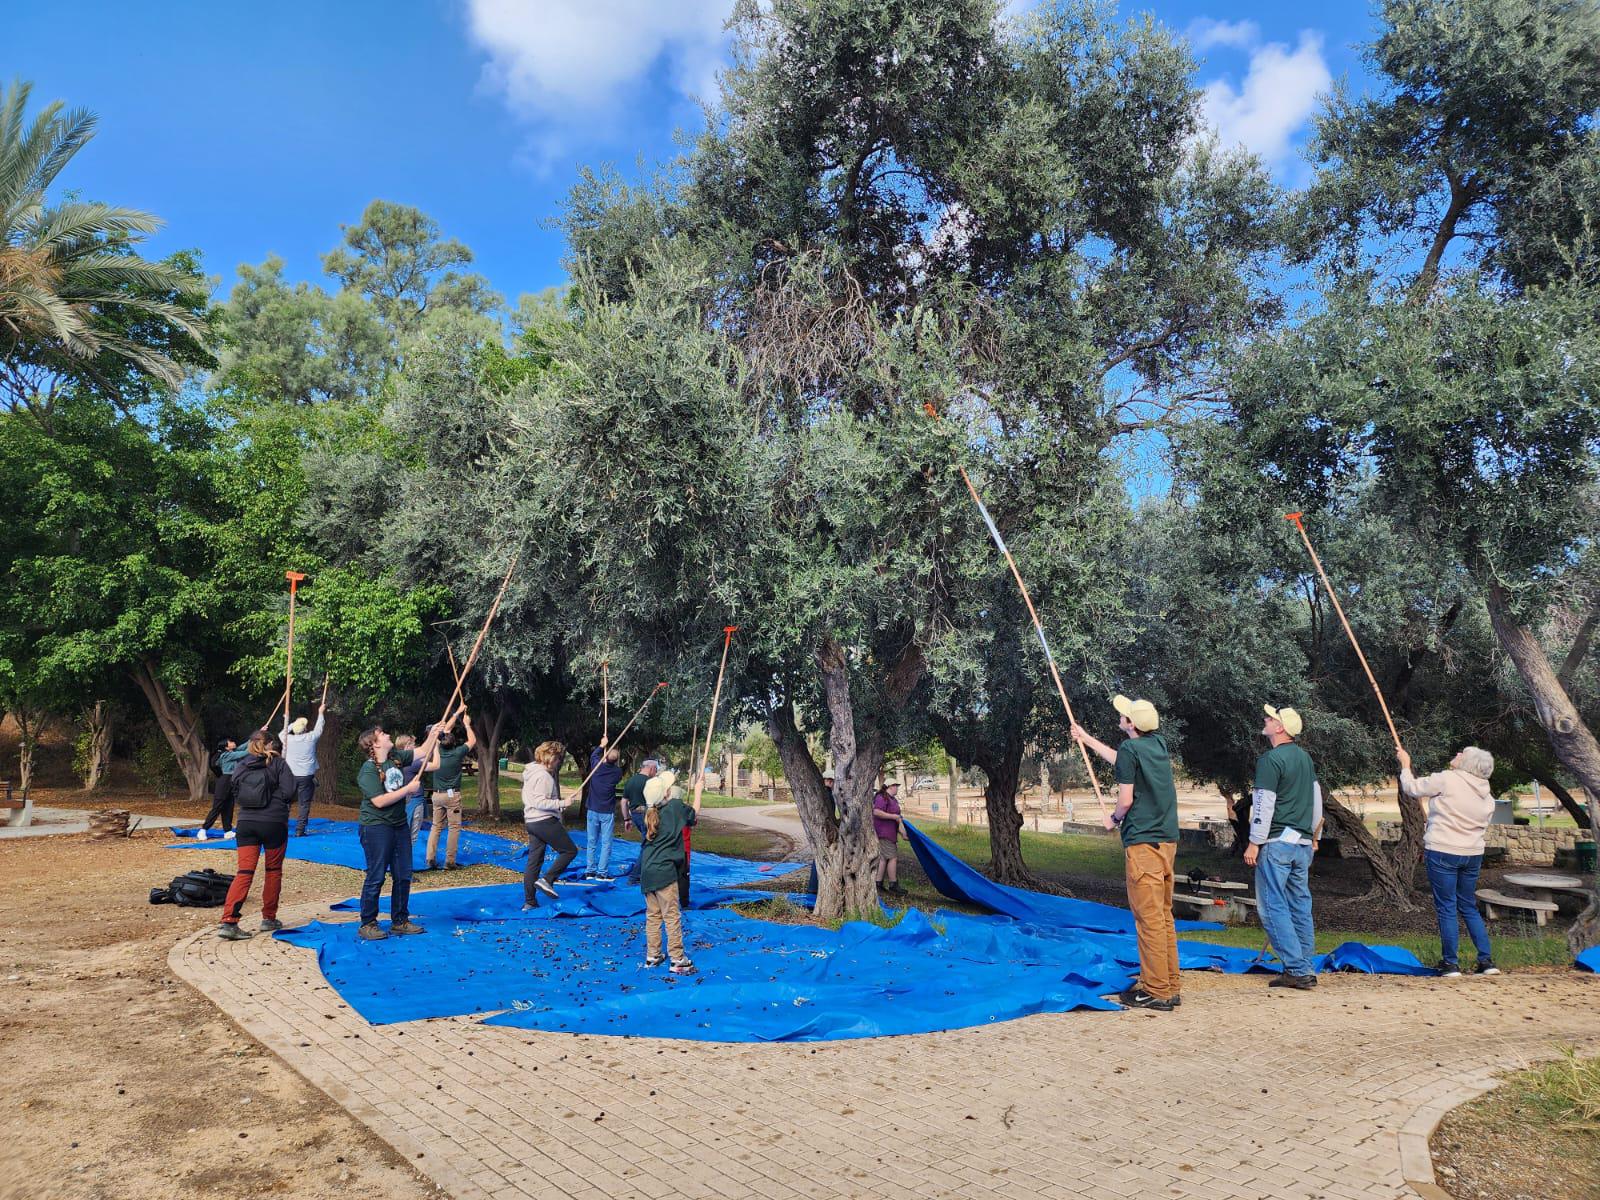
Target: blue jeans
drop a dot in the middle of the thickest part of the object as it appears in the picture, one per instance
(1283, 895)
(1455, 883)
(603, 826)
(416, 810)
(388, 851)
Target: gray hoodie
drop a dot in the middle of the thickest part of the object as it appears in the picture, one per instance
(300, 749)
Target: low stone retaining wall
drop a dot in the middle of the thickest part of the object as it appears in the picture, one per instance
(1525, 845)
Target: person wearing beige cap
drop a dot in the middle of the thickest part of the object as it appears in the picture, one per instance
(1147, 815)
(1285, 823)
(1458, 816)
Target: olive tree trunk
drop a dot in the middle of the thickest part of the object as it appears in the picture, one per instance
(1574, 743)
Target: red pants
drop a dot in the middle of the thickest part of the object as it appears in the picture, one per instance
(240, 888)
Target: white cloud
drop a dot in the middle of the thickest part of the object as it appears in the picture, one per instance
(1205, 33)
(562, 58)
(1279, 93)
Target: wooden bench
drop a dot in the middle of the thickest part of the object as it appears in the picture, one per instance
(7, 801)
(1491, 900)
(1230, 910)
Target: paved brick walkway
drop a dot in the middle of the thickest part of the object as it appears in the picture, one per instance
(1244, 1093)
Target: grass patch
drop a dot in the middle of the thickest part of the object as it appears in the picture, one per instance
(1511, 949)
(1045, 853)
(1566, 1092)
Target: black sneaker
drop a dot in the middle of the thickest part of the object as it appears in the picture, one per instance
(1447, 970)
(1137, 997)
(1300, 983)
(372, 932)
(1177, 1002)
(1486, 967)
(232, 933)
(270, 924)
(896, 889)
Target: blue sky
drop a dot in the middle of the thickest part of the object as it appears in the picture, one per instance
(259, 129)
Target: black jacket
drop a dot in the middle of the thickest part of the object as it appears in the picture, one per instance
(280, 791)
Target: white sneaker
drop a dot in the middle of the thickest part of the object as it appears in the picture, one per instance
(200, 836)
(231, 833)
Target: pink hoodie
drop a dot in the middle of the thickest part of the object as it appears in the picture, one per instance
(1460, 812)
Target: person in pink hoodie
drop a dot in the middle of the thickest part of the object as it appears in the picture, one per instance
(1459, 806)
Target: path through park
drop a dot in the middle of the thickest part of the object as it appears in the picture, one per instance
(1245, 1092)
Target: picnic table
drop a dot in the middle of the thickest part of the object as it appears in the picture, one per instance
(1544, 884)
(1216, 900)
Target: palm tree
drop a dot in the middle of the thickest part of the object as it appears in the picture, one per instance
(76, 302)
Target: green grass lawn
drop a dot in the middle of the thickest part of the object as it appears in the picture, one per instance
(1053, 854)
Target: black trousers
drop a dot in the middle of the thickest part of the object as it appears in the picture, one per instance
(546, 833)
(221, 803)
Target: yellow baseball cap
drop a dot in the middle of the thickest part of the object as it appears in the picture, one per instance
(1287, 717)
(1141, 712)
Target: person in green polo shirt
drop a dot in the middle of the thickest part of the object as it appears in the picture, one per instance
(1147, 815)
(1285, 823)
(447, 760)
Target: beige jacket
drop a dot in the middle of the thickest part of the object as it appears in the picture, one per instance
(1459, 813)
(541, 795)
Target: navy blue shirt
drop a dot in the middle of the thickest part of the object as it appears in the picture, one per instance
(601, 796)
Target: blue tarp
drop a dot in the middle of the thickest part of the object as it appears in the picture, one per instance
(1589, 960)
(958, 881)
(575, 964)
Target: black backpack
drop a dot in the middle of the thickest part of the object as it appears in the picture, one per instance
(252, 787)
(195, 889)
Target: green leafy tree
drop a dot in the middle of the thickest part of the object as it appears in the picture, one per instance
(1469, 399)
(77, 305)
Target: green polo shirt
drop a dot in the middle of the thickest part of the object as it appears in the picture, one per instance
(1145, 762)
(1288, 772)
(447, 774)
(633, 791)
(374, 782)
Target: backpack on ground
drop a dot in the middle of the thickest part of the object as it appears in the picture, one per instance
(194, 889)
(252, 789)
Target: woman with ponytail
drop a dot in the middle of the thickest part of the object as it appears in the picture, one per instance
(262, 786)
(661, 861)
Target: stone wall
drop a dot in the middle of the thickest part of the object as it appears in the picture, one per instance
(1525, 845)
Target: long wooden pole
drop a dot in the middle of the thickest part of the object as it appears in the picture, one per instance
(477, 645)
(1296, 519)
(700, 776)
(294, 578)
(637, 713)
(605, 702)
(1038, 626)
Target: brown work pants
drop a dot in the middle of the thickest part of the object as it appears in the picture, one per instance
(1150, 873)
(447, 813)
(661, 909)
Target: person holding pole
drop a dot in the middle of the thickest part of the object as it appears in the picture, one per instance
(1285, 823)
(385, 837)
(300, 752)
(1147, 814)
(600, 809)
(446, 793)
(1462, 806)
(633, 797)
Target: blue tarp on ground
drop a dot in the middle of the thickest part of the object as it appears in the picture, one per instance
(1589, 960)
(958, 881)
(338, 843)
(575, 965)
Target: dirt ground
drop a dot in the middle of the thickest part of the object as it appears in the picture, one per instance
(1499, 1148)
(122, 1082)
